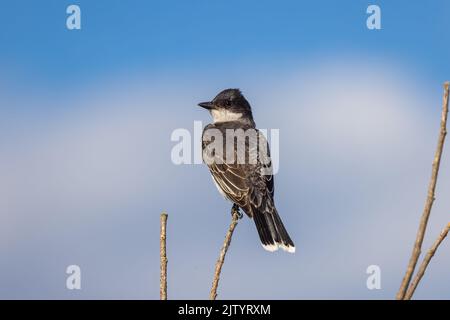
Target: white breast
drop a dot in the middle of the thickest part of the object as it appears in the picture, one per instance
(224, 115)
(220, 189)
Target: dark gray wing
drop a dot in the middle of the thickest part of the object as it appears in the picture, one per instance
(247, 185)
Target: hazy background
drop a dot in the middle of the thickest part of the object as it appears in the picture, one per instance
(85, 124)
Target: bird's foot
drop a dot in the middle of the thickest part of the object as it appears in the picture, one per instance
(235, 210)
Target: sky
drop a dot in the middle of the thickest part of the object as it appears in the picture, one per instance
(86, 118)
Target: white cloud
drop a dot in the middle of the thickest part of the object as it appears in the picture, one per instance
(356, 148)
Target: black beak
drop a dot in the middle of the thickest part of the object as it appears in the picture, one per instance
(207, 105)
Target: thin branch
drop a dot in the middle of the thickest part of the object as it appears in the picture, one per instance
(430, 199)
(223, 252)
(163, 256)
(425, 262)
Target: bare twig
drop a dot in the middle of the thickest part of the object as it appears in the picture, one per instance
(430, 199)
(163, 256)
(223, 252)
(425, 262)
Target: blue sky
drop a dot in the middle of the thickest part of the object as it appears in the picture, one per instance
(172, 35)
(85, 124)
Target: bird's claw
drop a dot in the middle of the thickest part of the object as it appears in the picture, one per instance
(235, 209)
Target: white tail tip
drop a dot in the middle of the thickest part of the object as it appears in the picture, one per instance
(274, 247)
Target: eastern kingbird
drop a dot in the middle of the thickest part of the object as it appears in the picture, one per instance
(248, 184)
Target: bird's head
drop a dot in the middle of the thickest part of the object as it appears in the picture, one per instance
(229, 105)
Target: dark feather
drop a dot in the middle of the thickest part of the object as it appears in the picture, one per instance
(245, 184)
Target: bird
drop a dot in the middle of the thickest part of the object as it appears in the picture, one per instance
(248, 184)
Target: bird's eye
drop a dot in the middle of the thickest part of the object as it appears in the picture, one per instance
(228, 103)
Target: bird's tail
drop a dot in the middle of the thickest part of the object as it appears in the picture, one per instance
(272, 232)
